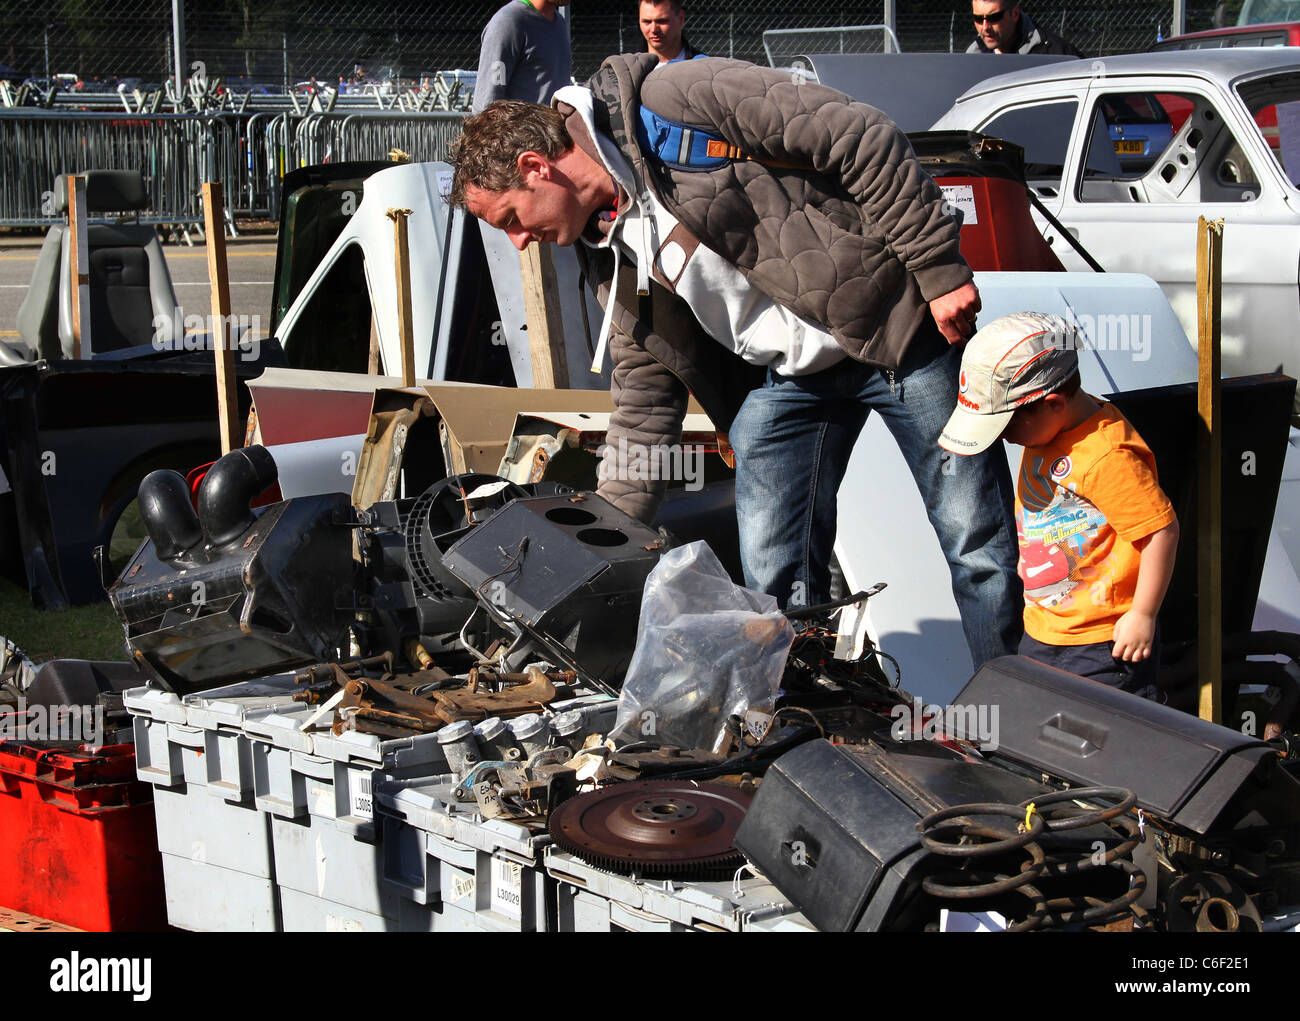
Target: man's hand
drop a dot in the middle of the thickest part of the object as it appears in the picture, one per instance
(955, 312)
(1133, 635)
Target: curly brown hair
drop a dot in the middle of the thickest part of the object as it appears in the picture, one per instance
(487, 152)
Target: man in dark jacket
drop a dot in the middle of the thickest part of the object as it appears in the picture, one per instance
(816, 248)
(1002, 27)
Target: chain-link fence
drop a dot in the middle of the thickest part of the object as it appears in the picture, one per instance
(1095, 28)
(274, 44)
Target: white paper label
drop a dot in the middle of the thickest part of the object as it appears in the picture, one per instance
(851, 644)
(461, 889)
(362, 806)
(507, 889)
(963, 197)
(971, 921)
(757, 723)
(488, 489)
(444, 182)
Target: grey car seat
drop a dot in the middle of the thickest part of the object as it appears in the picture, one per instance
(132, 302)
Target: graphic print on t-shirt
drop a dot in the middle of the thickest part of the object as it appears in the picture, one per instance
(1056, 529)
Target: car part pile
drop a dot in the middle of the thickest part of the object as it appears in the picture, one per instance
(477, 636)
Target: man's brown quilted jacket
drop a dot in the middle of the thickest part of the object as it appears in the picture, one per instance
(849, 233)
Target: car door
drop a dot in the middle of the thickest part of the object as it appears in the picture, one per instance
(1138, 213)
(1044, 124)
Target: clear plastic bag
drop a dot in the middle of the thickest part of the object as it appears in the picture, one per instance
(706, 648)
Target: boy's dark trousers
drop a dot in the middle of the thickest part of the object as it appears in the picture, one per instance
(1096, 663)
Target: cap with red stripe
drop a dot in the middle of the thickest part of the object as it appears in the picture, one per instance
(1014, 360)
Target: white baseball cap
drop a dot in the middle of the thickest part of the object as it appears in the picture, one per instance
(1014, 360)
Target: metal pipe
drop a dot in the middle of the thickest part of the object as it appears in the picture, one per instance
(178, 44)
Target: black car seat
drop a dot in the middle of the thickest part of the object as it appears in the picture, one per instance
(132, 302)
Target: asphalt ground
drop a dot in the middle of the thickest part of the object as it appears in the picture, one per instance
(250, 258)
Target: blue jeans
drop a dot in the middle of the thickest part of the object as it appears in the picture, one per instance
(793, 438)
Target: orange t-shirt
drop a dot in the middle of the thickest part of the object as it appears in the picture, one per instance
(1082, 501)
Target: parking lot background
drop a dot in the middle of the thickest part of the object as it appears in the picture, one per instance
(279, 42)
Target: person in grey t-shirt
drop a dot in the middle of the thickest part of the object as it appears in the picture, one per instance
(525, 54)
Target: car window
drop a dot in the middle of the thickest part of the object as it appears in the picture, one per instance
(333, 332)
(1043, 131)
(1162, 147)
(1262, 12)
(1274, 103)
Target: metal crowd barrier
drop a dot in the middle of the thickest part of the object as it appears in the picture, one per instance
(345, 135)
(248, 152)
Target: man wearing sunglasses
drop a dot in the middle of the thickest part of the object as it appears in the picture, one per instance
(1002, 27)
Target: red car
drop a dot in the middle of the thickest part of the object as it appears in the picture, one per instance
(1282, 33)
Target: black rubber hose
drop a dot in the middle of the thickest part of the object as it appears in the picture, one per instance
(168, 515)
(228, 490)
(1061, 229)
(755, 757)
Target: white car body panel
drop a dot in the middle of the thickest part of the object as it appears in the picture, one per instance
(1157, 236)
(421, 188)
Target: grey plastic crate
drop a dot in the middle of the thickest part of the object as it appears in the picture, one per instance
(299, 773)
(317, 791)
(438, 853)
(206, 898)
(218, 866)
(661, 905)
(317, 859)
(304, 912)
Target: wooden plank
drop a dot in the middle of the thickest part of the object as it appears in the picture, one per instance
(373, 359)
(219, 280)
(405, 316)
(79, 266)
(1209, 453)
(545, 323)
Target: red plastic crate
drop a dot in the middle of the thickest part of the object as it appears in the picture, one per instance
(77, 838)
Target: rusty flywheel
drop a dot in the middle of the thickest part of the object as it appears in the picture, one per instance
(654, 828)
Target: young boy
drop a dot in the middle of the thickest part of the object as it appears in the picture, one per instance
(1097, 534)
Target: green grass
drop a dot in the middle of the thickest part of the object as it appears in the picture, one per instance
(82, 632)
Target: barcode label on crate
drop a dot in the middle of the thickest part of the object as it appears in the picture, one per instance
(507, 889)
(362, 806)
(461, 888)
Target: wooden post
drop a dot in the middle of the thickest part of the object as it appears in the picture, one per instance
(372, 359)
(545, 324)
(1209, 453)
(405, 324)
(79, 266)
(219, 320)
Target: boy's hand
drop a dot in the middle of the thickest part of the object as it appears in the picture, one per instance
(1133, 635)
